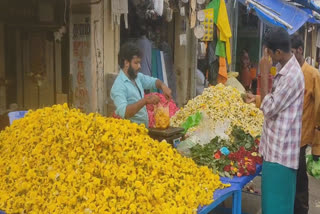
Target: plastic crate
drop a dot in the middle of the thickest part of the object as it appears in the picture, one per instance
(15, 115)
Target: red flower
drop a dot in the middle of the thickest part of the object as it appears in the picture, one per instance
(251, 168)
(257, 141)
(239, 174)
(217, 155)
(241, 170)
(227, 168)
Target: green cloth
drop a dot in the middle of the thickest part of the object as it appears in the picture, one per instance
(215, 4)
(221, 49)
(278, 187)
(154, 65)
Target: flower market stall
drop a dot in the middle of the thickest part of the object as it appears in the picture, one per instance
(222, 132)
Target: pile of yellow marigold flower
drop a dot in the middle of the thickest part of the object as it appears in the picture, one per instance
(59, 160)
(222, 103)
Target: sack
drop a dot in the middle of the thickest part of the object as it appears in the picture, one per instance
(161, 116)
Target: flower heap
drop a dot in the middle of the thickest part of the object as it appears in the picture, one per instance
(163, 102)
(59, 160)
(222, 103)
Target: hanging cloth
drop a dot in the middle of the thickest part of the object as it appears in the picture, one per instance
(158, 6)
(215, 4)
(221, 49)
(154, 65)
(164, 71)
(224, 27)
(159, 66)
(119, 7)
(223, 74)
(171, 75)
(213, 63)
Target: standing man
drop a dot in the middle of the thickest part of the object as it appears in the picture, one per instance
(310, 120)
(127, 91)
(281, 137)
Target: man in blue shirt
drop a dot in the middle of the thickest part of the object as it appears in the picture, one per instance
(127, 91)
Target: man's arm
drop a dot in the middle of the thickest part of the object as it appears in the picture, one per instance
(166, 91)
(154, 83)
(123, 109)
(284, 95)
(265, 66)
(134, 108)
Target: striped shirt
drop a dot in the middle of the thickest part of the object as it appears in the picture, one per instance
(282, 109)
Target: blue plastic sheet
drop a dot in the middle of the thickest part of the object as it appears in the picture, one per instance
(293, 15)
(309, 4)
(311, 20)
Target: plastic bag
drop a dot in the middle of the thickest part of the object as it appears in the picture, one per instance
(208, 130)
(233, 81)
(192, 121)
(313, 167)
(233, 74)
(161, 116)
(185, 146)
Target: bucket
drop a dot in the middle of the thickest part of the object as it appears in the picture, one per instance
(15, 115)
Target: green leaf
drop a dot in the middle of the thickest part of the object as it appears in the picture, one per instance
(228, 174)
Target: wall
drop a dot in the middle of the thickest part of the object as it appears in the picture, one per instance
(80, 61)
(99, 57)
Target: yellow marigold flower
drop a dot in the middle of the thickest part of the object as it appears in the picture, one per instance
(59, 160)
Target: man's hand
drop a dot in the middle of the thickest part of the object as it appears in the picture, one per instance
(249, 98)
(316, 157)
(265, 65)
(166, 91)
(152, 99)
(265, 62)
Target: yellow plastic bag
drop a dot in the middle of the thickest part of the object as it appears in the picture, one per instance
(162, 117)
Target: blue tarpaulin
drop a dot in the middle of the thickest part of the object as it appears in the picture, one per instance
(292, 15)
(309, 4)
(311, 20)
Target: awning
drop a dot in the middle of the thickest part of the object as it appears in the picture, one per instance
(309, 4)
(311, 20)
(279, 13)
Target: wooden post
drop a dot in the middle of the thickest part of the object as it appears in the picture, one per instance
(184, 61)
(58, 67)
(3, 101)
(97, 57)
(111, 46)
(20, 47)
